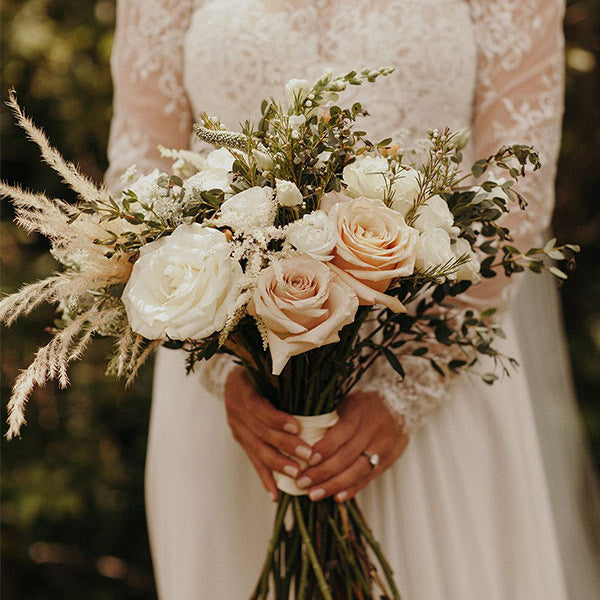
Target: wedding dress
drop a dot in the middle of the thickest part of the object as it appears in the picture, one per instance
(466, 512)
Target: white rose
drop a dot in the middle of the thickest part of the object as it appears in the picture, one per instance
(435, 213)
(314, 235)
(183, 286)
(470, 270)
(405, 188)
(367, 177)
(288, 193)
(296, 89)
(249, 209)
(433, 249)
(220, 159)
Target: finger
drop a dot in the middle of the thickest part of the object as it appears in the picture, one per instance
(335, 438)
(388, 460)
(351, 477)
(266, 478)
(345, 455)
(271, 458)
(291, 445)
(265, 412)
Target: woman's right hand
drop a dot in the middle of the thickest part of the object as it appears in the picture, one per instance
(268, 436)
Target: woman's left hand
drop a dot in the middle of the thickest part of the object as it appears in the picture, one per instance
(340, 464)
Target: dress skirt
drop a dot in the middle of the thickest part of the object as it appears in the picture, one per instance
(464, 514)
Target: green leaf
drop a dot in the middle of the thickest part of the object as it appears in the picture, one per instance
(394, 362)
(489, 378)
(557, 272)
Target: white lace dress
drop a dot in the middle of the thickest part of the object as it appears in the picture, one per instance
(465, 513)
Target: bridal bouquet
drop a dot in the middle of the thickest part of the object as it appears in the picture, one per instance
(306, 252)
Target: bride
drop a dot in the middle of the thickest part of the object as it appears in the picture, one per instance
(460, 499)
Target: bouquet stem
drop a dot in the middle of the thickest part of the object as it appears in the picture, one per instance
(335, 545)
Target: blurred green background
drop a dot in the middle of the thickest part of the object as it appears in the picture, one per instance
(72, 488)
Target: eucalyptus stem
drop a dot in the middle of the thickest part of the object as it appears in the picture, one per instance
(310, 550)
(303, 577)
(263, 583)
(359, 522)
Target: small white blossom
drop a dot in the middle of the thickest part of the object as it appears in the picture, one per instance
(288, 193)
(220, 159)
(296, 121)
(297, 90)
(262, 159)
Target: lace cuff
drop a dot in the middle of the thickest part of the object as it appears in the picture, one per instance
(213, 373)
(410, 399)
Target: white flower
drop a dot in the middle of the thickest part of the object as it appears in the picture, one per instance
(288, 193)
(461, 137)
(405, 188)
(209, 179)
(435, 213)
(146, 188)
(470, 270)
(296, 121)
(314, 235)
(129, 176)
(183, 286)
(262, 159)
(323, 159)
(433, 249)
(220, 159)
(367, 177)
(249, 209)
(186, 162)
(148, 192)
(296, 90)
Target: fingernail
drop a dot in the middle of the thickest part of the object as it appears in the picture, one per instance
(291, 428)
(341, 496)
(291, 471)
(303, 452)
(303, 482)
(273, 496)
(314, 459)
(317, 494)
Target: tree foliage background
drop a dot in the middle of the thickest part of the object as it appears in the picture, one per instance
(72, 487)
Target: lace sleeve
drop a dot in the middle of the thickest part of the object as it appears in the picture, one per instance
(519, 99)
(150, 105)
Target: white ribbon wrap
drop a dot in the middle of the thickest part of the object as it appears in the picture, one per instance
(313, 429)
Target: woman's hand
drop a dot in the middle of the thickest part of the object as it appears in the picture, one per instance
(339, 467)
(267, 435)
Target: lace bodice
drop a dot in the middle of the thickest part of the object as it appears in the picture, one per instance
(492, 65)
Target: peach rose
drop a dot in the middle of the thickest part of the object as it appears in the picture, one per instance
(303, 306)
(374, 244)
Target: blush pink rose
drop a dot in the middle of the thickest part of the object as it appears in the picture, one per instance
(303, 305)
(374, 244)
